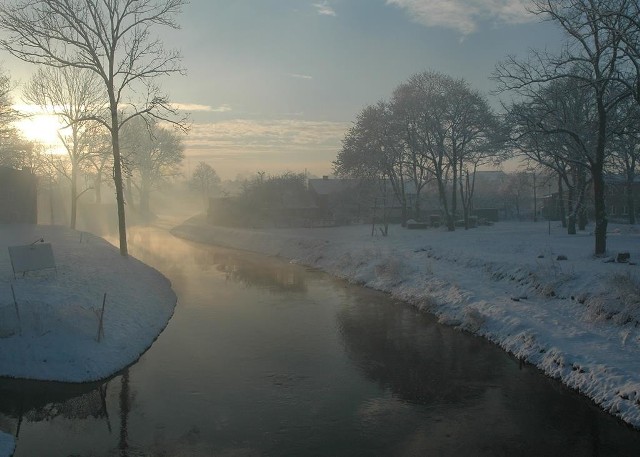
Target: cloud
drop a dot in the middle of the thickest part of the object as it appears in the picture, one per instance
(201, 108)
(300, 76)
(464, 15)
(286, 134)
(242, 145)
(324, 9)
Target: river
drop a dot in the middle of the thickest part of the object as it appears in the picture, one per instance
(266, 358)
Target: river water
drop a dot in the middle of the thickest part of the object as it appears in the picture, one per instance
(265, 358)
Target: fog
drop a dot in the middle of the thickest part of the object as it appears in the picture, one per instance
(172, 204)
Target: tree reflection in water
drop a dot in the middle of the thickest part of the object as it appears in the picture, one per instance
(125, 407)
(37, 401)
(472, 399)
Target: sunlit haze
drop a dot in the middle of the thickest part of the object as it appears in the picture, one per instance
(41, 128)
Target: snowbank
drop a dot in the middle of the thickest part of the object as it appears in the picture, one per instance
(542, 297)
(55, 336)
(7, 444)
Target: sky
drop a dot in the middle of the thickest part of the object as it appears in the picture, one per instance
(273, 85)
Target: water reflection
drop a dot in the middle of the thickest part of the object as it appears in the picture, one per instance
(470, 398)
(420, 361)
(184, 257)
(255, 272)
(37, 401)
(125, 407)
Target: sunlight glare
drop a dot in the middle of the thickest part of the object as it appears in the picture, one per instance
(43, 129)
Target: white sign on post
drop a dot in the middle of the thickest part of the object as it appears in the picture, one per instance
(31, 257)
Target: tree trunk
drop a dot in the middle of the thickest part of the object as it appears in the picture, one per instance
(571, 222)
(535, 199)
(582, 218)
(581, 211)
(417, 206)
(600, 212)
(74, 194)
(445, 207)
(117, 179)
(597, 172)
(454, 193)
(563, 213)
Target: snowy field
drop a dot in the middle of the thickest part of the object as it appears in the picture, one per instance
(544, 298)
(50, 331)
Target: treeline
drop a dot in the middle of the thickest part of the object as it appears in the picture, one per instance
(573, 114)
(434, 128)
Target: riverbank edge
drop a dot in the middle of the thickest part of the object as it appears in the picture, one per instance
(608, 392)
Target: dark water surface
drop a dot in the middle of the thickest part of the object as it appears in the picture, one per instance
(264, 358)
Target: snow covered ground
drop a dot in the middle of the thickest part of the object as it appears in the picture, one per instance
(577, 319)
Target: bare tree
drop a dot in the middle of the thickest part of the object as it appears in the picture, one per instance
(590, 57)
(555, 130)
(449, 131)
(373, 150)
(15, 151)
(621, 18)
(625, 157)
(516, 190)
(205, 180)
(99, 161)
(152, 155)
(72, 94)
(114, 40)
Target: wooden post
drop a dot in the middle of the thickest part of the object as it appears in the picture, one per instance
(100, 328)
(15, 303)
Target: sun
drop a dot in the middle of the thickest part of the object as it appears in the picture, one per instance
(41, 128)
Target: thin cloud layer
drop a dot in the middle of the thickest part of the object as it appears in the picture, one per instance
(300, 76)
(464, 15)
(324, 9)
(193, 107)
(279, 145)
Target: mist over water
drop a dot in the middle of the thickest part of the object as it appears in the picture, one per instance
(263, 357)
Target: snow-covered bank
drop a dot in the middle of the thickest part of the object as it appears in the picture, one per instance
(50, 331)
(7, 444)
(543, 297)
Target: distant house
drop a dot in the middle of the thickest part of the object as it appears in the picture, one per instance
(18, 196)
(338, 200)
(287, 208)
(488, 199)
(616, 200)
